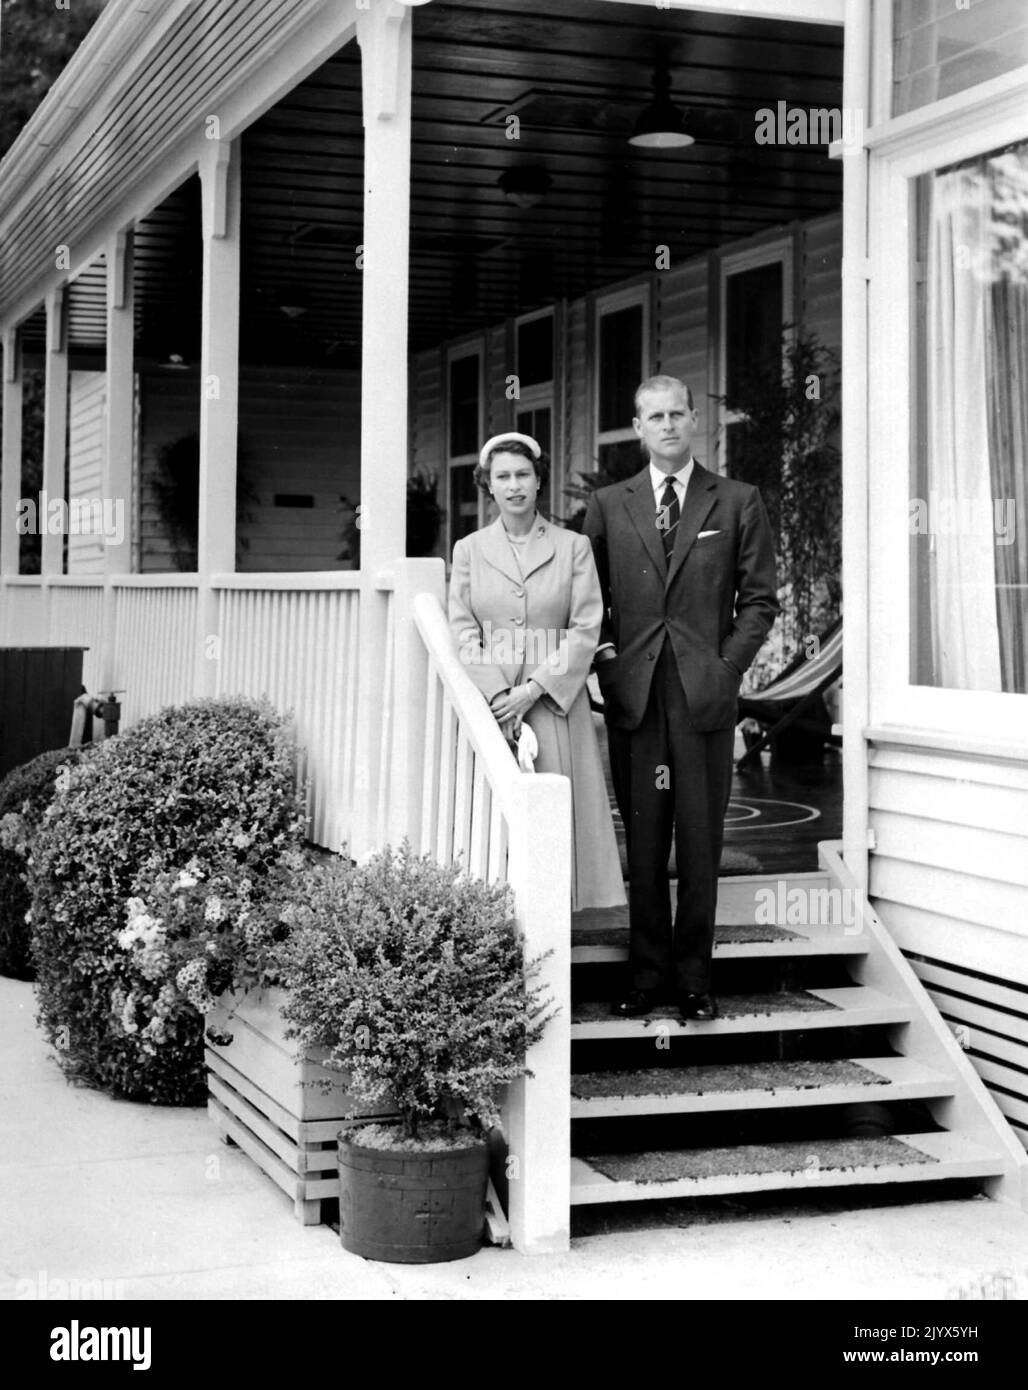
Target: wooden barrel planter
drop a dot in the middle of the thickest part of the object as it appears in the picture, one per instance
(261, 1097)
(410, 1206)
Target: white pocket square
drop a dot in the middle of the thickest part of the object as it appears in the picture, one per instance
(707, 533)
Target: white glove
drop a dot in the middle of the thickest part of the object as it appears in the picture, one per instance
(528, 749)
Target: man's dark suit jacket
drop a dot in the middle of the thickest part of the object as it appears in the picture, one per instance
(715, 599)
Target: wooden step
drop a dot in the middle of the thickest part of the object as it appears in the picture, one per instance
(785, 943)
(809, 1165)
(853, 1006)
(784, 1085)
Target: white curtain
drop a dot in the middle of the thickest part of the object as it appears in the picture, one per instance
(965, 630)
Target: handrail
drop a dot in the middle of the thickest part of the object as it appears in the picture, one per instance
(174, 579)
(516, 827)
(483, 732)
(289, 581)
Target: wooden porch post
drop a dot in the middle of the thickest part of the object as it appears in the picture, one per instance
(10, 461)
(118, 430)
(384, 34)
(55, 429)
(855, 474)
(221, 183)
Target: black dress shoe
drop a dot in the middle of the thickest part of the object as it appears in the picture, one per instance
(635, 1003)
(702, 1007)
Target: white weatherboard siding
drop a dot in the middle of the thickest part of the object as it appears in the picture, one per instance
(949, 877)
(820, 301)
(87, 392)
(299, 433)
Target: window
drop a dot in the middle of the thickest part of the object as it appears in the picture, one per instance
(534, 408)
(622, 361)
(940, 48)
(969, 461)
(946, 434)
(464, 439)
(756, 301)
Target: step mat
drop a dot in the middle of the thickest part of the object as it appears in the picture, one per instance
(741, 1076)
(608, 926)
(806, 1156)
(730, 1006)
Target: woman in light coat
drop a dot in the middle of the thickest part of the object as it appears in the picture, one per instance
(525, 611)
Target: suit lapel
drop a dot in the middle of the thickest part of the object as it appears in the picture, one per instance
(496, 549)
(535, 553)
(699, 499)
(642, 509)
(539, 548)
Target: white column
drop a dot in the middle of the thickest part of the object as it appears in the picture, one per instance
(10, 458)
(55, 427)
(221, 181)
(856, 548)
(118, 422)
(118, 433)
(384, 34)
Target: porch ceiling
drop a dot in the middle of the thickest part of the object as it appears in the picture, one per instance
(576, 81)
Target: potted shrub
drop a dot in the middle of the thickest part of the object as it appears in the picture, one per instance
(411, 976)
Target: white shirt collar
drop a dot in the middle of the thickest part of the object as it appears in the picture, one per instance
(658, 479)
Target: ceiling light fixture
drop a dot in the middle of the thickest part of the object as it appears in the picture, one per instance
(661, 126)
(525, 185)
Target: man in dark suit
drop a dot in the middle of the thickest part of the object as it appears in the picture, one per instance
(686, 564)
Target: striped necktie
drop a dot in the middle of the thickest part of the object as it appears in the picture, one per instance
(668, 517)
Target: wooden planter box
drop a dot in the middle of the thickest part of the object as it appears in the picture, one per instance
(259, 1099)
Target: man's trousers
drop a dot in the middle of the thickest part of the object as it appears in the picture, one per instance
(671, 781)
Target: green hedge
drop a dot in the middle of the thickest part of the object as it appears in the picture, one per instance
(25, 793)
(209, 784)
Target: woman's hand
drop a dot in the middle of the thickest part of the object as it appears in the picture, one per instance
(511, 708)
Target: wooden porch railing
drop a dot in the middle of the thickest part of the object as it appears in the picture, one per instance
(458, 794)
(295, 638)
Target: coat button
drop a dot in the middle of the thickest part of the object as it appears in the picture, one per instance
(519, 593)
(650, 656)
(519, 622)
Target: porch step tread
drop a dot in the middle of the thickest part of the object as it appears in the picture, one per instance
(847, 1007)
(601, 937)
(806, 1165)
(753, 1086)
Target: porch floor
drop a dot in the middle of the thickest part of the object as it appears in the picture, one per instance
(100, 1189)
(777, 814)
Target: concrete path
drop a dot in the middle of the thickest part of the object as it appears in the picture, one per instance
(148, 1200)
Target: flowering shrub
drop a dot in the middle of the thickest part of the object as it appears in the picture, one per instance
(25, 793)
(189, 936)
(412, 976)
(128, 948)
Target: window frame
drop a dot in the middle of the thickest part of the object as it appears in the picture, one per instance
(780, 250)
(455, 352)
(542, 395)
(613, 302)
(947, 132)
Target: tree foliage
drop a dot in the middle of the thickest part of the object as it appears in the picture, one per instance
(37, 39)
